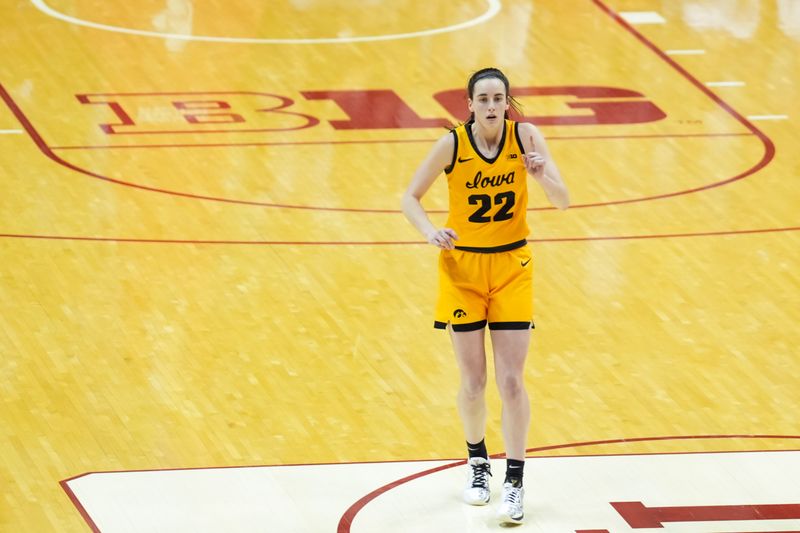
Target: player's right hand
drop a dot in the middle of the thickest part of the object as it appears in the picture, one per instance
(443, 238)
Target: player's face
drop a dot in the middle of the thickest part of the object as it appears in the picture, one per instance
(489, 102)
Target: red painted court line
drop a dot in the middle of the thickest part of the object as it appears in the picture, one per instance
(607, 531)
(670, 235)
(496, 455)
(47, 151)
(200, 241)
(383, 243)
(391, 141)
(346, 520)
(657, 439)
(685, 73)
(769, 147)
(243, 145)
(78, 505)
(638, 516)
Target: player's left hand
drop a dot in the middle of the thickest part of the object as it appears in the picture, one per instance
(534, 164)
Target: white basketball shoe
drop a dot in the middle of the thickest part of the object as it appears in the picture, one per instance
(510, 510)
(477, 489)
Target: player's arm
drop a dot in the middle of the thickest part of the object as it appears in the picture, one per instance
(540, 165)
(439, 158)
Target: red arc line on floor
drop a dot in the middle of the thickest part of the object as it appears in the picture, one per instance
(769, 147)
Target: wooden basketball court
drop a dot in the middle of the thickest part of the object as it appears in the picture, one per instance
(204, 264)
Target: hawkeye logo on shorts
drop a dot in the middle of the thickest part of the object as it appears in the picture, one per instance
(459, 313)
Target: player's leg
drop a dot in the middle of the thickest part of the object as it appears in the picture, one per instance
(470, 354)
(461, 308)
(471, 359)
(510, 349)
(509, 316)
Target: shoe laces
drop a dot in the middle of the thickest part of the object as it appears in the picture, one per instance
(513, 495)
(479, 475)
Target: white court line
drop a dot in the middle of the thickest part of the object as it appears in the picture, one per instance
(767, 117)
(494, 7)
(642, 17)
(695, 52)
(724, 84)
(10, 132)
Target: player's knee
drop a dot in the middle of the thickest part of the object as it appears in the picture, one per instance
(473, 387)
(511, 387)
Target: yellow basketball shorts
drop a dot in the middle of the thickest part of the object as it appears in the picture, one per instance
(476, 289)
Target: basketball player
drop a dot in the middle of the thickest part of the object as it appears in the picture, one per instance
(486, 267)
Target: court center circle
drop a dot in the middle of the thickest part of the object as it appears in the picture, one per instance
(493, 7)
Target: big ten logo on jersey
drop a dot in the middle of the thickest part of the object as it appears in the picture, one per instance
(350, 115)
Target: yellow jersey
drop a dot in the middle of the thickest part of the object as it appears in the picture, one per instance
(488, 196)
